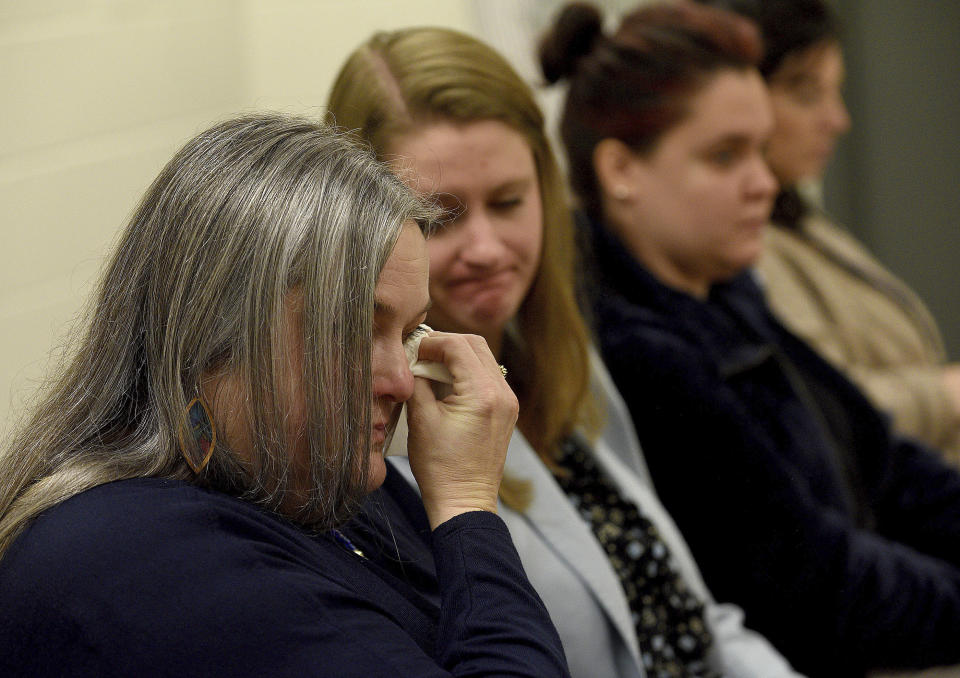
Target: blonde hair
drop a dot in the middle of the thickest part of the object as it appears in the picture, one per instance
(399, 80)
(244, 213)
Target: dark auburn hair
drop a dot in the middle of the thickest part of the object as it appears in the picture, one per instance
(635, 85)
(789, 28)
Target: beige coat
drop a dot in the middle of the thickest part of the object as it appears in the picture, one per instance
(830, 291)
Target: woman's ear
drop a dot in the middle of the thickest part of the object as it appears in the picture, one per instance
(615, 165)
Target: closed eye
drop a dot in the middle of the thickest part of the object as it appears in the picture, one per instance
(451, 209)
(506, 204)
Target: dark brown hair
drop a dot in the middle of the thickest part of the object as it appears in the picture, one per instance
(634, 85)
(788, 26)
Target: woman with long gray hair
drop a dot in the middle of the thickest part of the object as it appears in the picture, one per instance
(170, 506)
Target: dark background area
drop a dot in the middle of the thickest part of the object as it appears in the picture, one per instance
(894, 182)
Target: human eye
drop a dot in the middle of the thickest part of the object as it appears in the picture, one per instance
(506, 204)
(512, 194)
(807, 94)
(723, 157)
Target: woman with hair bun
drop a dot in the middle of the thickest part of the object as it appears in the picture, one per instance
(461, 126)
(840, 540)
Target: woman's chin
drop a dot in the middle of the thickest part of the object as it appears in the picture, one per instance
(376, 470)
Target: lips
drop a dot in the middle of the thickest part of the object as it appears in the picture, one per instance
(469, 287)
(379, 432)
(823, 154)
(755, 223)
(382, 429)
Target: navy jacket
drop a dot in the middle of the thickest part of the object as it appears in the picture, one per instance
(160, 578)
(840, 540)
(393, 531)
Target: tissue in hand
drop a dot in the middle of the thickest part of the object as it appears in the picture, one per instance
(436, 372)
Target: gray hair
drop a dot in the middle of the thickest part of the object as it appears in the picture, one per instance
(243, 213)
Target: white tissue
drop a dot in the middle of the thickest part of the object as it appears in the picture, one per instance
(424, 368)
(436, 372)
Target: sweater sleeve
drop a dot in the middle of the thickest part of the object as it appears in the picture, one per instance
(134, 580)
(831, 596)
(492, 622)
(920, 503)
(914, 396)
(831, 292)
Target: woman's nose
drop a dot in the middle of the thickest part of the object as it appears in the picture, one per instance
(834, 117)
(761, 182)
(481, 244)
(392, 377)
(839, 116)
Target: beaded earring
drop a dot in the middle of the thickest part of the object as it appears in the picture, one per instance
(201, 433)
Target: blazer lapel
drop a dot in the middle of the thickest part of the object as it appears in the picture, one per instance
(553, 518)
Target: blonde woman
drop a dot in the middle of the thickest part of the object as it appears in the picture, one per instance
(459, 125)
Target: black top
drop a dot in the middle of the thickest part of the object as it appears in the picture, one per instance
(840, 540)
(668, 618)
(160, 578)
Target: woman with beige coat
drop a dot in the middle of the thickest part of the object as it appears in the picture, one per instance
(822, 283)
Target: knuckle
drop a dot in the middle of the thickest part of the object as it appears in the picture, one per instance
(461, 340)
(513, 406)
(476, 341)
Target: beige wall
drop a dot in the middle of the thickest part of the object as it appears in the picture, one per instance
(97, 95)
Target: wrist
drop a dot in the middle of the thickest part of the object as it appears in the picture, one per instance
(438, 518)
(440, 509)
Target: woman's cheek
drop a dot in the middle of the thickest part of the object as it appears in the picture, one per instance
(441, 255)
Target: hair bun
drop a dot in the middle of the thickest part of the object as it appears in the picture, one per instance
(572, 37)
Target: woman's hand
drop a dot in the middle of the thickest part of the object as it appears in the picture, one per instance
(457, 445)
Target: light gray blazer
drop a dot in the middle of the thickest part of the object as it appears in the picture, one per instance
(572, 574)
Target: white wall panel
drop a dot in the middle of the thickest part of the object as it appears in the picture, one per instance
(98, 94)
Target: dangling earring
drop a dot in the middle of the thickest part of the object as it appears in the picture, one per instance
(201, 433)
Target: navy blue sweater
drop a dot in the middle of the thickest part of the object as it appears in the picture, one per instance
(840, 540)
(160, 578)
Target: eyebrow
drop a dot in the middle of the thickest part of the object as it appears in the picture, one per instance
(734, 139)
(382, 307)
(520, 183)
(801, 80)
(513, 184)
